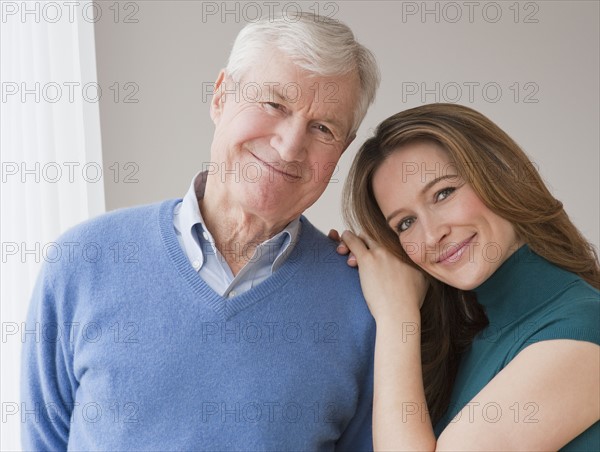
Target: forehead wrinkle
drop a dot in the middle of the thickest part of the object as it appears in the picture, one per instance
(301, 82)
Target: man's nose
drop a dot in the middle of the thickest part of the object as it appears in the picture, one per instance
(290, 140)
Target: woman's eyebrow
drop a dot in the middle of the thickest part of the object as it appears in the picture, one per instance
(423, 190)
(436, 180)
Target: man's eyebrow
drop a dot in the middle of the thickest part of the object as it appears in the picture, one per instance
(275, 95)
(427, 186)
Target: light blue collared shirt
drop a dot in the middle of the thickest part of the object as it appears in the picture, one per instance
(199, 247)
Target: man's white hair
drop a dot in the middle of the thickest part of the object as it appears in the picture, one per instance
(319, 45)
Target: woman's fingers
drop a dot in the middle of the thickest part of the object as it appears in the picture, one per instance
(371, 244)
(350, 244)
(341, 248)
(355, 244)
(352, 262)
(334, 235)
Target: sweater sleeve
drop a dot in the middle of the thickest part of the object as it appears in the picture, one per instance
(46, 380)
(358, 435)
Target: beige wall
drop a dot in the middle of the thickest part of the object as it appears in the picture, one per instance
(543, 56)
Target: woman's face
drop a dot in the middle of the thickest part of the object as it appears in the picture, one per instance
(442, 224)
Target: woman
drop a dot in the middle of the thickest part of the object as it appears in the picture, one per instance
(485, 294)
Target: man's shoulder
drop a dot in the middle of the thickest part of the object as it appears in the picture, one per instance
(320, 252)
(321, 246)
(329, 273)
(119, 222)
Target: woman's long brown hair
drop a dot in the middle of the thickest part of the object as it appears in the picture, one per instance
(508, 184)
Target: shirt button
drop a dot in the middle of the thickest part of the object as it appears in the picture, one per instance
(196, 264)
(205, 235)
(233, 293)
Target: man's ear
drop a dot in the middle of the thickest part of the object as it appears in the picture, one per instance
(349, 141)
(216, 104)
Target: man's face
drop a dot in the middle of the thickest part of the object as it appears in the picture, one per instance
(279, 135)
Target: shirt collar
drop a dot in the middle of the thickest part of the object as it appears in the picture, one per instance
(190, 220)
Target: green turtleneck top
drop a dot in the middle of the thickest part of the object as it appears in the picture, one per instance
(527, 300)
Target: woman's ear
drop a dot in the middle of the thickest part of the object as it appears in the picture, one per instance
(216, 104)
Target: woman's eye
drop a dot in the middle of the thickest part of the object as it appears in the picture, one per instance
(404, 224)
(443, 194)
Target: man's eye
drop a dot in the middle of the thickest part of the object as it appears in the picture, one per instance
(324, 133)
(324, 129)
(274, 105)
(404, 224)
(443, 194)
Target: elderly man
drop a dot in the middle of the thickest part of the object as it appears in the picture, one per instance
(231, 324)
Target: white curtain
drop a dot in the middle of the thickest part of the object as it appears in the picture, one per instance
(51, 160)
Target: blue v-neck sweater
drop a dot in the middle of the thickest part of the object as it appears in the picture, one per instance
(126, 348)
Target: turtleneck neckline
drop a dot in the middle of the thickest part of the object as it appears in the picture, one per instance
(522, 283)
